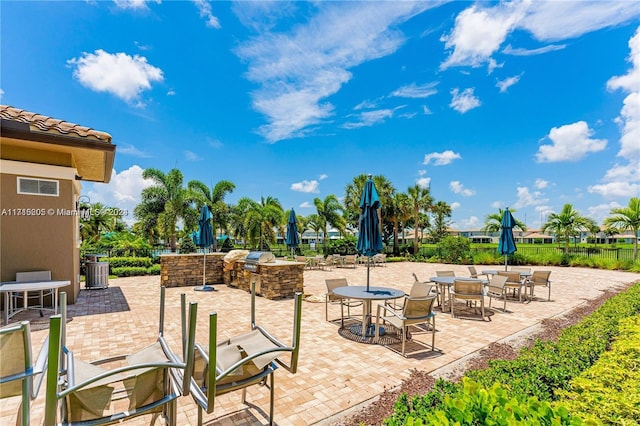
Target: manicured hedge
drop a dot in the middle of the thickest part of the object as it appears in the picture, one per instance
(121, 262)
(610, 389)
(537, 373)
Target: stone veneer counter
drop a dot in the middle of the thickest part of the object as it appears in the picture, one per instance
(179, 270)
(276, 280)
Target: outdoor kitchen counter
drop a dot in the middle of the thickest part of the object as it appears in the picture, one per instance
(274, 280)
(179, 270)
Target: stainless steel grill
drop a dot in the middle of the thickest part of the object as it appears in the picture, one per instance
(255, 258)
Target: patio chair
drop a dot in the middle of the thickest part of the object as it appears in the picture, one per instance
(326, 262)
(350, 261)
(514, 282)
(379, 259)
(520, 269)
(332, 299)
(469, 291)
(242, 361)
(539, 278)
(16, 298)
(146, 382)
(415, 311)
(445, 274)
(496, 290)
(18, 374)
(472, 272)
(419, 289)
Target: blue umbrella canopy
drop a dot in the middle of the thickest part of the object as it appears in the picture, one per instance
(204, 237)
(293, 240)
(369, 237)
(507, 244)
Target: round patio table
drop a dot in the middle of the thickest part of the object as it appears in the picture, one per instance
(360, 292)
(24, 287)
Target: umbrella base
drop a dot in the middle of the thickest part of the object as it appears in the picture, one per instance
(204, 288)
(370, 331)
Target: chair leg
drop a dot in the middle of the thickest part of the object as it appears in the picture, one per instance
(433, 333)
(271, 397)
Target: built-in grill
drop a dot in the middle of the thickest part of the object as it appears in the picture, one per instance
(255, 258)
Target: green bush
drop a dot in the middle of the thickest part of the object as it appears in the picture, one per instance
(187, 245)
(610, 389)
(347, 245)
(454, 250)
(120, 262)
(129, 271)
(153, 270)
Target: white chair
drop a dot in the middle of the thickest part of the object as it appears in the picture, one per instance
(415, 311)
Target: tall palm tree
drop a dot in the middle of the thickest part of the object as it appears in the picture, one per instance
(567, 223)
(442, 213)
(315, 224)
(493, 222)
(165, 202)
(353, 192)
(329, 213)
(262, 219)
(398, 210)
(627, 219)
(420, 200)
(96, 224)
(214, 199)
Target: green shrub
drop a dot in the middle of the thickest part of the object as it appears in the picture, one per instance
(610, 389)
(153, 270)
(129, 271)
(120, 262)
(187, 245)
(419, 406)
(454, 250)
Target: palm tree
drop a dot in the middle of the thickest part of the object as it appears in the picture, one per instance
(627, 219)
(214, 199)
(399, 209)
(567, 223)
(96, 224)
(493, 222)
(353, 193)
(315, 224)
(421, 200)
(262, 219)
(165, 202)
(442, 212)
(329, 213)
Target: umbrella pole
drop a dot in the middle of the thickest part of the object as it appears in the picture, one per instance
(204, 268)
(368, 264)
(506, 256)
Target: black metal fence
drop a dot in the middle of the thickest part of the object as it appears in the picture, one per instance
(590, 252)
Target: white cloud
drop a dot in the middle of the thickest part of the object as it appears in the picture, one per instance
(455, 205)
(601, 211)
(497, 205)
(415, 91)
(473, 222)
(616, 189)
(426, 110)
(306, 205)
(424, 182)
(369, 118)
(479, 32)
(204, 7)
(123, 191)
(171, 93)
(192, 156)
(458, 188)
(503, 85)
(570, 142)
(517, 51)
(119, 74)
(541, 184)
(629, 172)
(366, 104)
(298, 71)
(527, 198)
(214, 143)
(441, 158)
(307, 186)
(134, 4)
(465, 101)
(323, 176)
(128, 149)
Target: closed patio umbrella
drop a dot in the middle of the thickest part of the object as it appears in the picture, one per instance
(507, 244)
(204, 239)
(369, 237)
(293, 241)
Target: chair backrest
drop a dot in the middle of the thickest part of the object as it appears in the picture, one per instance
(301, 259)
(473, 272)
(445, 274)
(33, 276)
(467, 288)
(520, 269)
(540, 277)
(496, 285)
(512, 277)
(418, 307)
(415, 277)
(15, 348)
(420, 289)
(333, 283)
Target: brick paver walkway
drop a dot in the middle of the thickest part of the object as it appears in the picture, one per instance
(334, 373)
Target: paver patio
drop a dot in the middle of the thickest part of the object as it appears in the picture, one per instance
(334, 373)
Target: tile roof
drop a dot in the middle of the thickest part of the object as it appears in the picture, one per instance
(49, 124)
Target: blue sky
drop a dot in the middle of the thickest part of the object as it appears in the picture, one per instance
(529, 105)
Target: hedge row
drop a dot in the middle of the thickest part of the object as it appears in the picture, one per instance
(137, 262)
(130, 271)
(537, 372)
(610, 389)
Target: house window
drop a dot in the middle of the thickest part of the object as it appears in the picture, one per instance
(32, 186)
